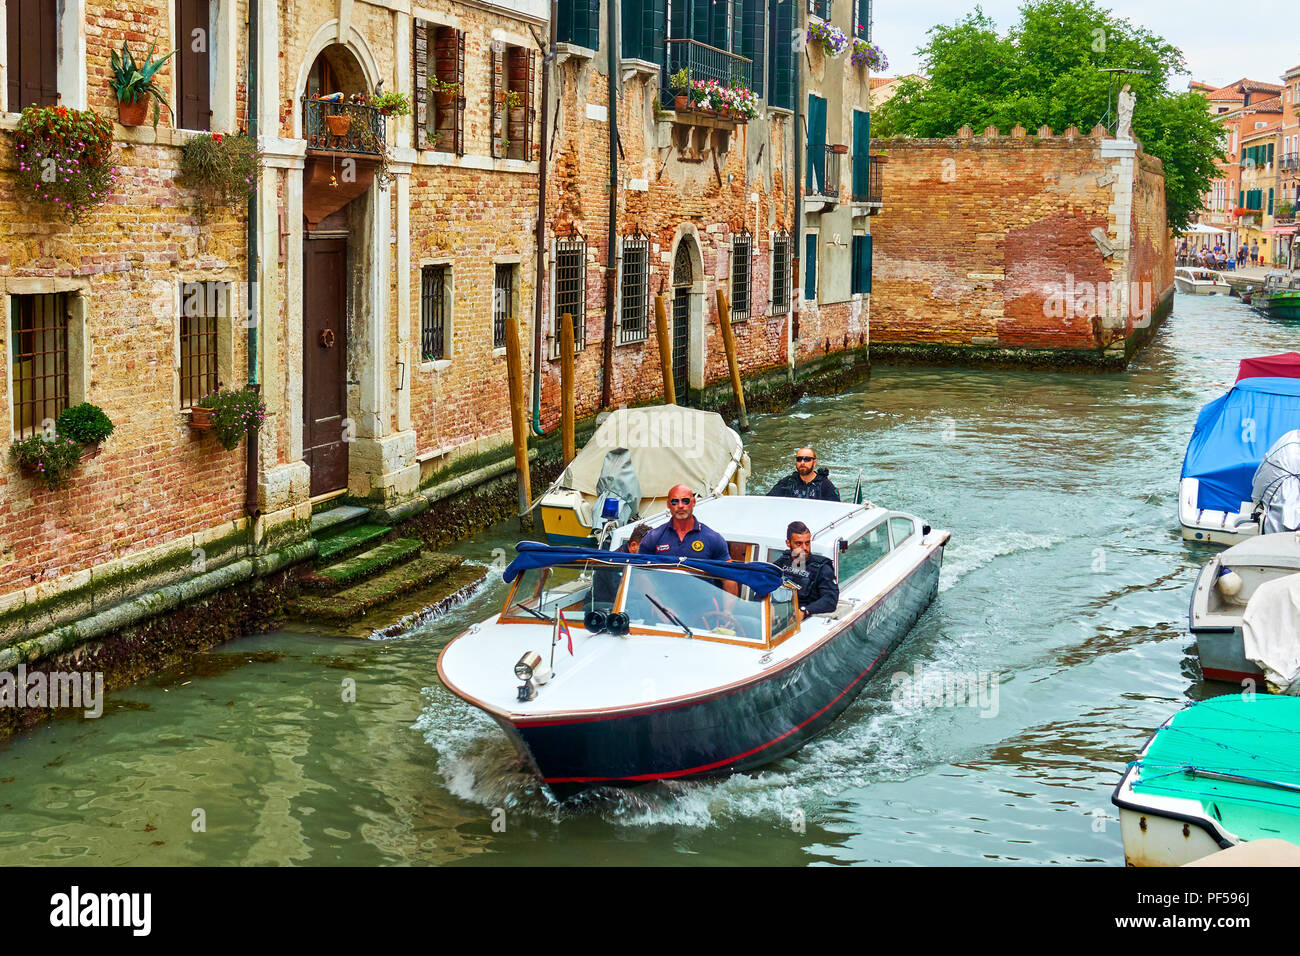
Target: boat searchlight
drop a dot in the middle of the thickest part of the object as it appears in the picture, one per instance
(524, 670)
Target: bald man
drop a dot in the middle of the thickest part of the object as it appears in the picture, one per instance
(684, 536)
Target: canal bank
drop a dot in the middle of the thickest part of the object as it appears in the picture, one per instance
(1066, 582)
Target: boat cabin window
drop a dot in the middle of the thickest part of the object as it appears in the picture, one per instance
(864, 551)
(782, 611)
(656, 595)
(575, 589)
(900, 529)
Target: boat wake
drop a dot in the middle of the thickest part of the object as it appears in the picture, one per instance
(962, 557)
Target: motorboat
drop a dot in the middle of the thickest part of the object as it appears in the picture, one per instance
(631, 461)
(1231, 438)
(610, 668)
(1199, 281)
(1278, 297)
(1241, 614)
(1217, 774)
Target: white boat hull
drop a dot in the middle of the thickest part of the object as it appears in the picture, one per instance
(1211, 527)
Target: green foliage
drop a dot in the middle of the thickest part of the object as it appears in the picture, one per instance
(222, 168)
(130, 81)
(396, 103)
(84, 423)
(235, 413)
(64, 159)
(1047, 71)
(51, 461)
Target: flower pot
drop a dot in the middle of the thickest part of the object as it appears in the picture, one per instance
(840, 148)
(90, 451)
(681, 102)
(133, 114)
(338, 124)
(200, 418)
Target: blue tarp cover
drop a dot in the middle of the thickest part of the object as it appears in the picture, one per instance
(1233, 434)
(762, 578)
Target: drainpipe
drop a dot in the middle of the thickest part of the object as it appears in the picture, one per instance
(611, 253)
(254, 51)
(539, 281)
(797, 257)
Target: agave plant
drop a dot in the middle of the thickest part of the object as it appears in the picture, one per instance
(130, 81)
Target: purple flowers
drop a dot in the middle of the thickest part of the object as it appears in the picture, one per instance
(830, 38)
(868, 55)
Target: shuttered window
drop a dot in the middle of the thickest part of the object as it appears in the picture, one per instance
(644, 25)
(193, 65)
(861, 155)
(862, 264)
(862, 19)
(578, 22)
(816, 163)
(781, 61)
(752, 34)
(33, 53)
(439, 87)
(810, 267)
(514, 84)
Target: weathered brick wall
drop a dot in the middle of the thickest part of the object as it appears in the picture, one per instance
(989, 242)
(1151, 260)
(156, 480)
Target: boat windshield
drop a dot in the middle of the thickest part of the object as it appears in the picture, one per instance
(655, 596)
(575, 588)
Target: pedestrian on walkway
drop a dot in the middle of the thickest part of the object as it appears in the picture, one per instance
(1254, 252)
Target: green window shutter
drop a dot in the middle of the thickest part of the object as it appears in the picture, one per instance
(643, 26)
(861, 272)
(861, 152)
(751, 40)
(868, 257)
(810, 267)
(1270, 201)
(781, 61)
(1241, 200)
(578, 22)
(816, 179)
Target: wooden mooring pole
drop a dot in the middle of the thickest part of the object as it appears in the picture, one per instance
(567, 433)
(729, 343)
(518, 423)
(665, 350)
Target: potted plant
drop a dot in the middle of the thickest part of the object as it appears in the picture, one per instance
(230, 414)
(78, 146)
(338, 123)
(681, 82)
(841, 148)
(221, 168)
(85, 424)
(831, 39)
(868, 55)
(392, 104)
(444, 91)
(134, 85)
(51, 460)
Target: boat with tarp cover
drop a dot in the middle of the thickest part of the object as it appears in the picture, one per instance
(1232, 435)
(609, 668)
(1219, 773)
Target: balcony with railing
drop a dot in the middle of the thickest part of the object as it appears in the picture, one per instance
(338, 127)
(1290, 162)
(868, 184)
(701, 63)
(822, 188)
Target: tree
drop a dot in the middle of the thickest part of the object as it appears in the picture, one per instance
(1047, 70)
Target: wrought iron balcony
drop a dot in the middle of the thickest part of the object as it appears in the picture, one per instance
(702, 63)
(1290, 162)
(824, 177)
(875, 191)
(338, 127)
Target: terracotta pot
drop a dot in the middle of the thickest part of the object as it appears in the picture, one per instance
(681, 102)
(200, 418)
(338, 125)
(133, 114)
(89, 451)
(840, 148)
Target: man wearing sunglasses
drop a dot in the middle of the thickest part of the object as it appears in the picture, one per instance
(807, 480)
(684, 536)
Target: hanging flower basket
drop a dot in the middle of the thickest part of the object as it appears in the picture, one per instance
(200, 418)
(133, 114)
(64, 160)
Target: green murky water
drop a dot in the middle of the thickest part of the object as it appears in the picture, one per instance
(1066, 579)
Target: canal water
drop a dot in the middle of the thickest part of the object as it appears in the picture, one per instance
(1065, 587)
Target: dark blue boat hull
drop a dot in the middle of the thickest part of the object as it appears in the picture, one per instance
(739, 727)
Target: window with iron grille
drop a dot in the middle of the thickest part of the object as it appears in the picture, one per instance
(202, 304)
(780, 272)
(633, 326)
(503, 303)
(742, 246)
(39, 326)
(571, 289)
(435, 299)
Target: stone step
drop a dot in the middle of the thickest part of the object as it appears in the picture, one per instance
(340, 544)
(360, 566)
(357, 600)
(337, 518)
(396, 616)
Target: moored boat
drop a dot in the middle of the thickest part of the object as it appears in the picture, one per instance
(668, 674)
(1198, 281)
(1217, 774)
(1279, 297)
(1232, 435)
(641, 453)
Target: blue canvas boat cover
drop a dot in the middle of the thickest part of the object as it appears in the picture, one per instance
(759, 576)
(1233, 433)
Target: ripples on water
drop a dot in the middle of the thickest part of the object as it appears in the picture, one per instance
(1065, 583)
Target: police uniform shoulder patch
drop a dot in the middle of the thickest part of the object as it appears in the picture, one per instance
(697, 545)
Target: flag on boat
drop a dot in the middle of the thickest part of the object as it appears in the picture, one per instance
(564, 630)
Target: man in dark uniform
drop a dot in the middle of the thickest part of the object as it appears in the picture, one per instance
(819, 592)
(684, 536)
(807, 480)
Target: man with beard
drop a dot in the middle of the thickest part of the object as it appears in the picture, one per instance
(807, 480)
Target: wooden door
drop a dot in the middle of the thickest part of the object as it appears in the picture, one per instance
(324, 374)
